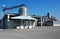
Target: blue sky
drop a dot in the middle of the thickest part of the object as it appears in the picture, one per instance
(38, 7)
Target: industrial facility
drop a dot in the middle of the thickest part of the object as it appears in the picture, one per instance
(23, 21)
(45, 20)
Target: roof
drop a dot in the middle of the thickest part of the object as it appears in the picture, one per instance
(2, 14)
(11, 13)
(38, 16)
(56, 22)
(23, 17)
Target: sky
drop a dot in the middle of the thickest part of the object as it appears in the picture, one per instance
(37, 7)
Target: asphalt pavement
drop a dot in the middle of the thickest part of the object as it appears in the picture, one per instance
(34, 33)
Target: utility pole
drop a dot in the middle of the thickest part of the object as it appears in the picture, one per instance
(41, 21)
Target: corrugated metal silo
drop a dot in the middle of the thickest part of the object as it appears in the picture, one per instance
(22, 10)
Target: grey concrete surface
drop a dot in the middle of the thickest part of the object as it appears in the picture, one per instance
(35, 33)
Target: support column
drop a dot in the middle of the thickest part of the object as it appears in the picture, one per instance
(22, 27)
(26, 25)
(41, 21)
(34, 23)
(19, 26)
(30, 26)
(8, 17)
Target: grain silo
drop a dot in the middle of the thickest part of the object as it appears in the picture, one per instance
(22, 10)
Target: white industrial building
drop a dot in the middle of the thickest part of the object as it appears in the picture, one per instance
(21, 20)
(56, 23)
